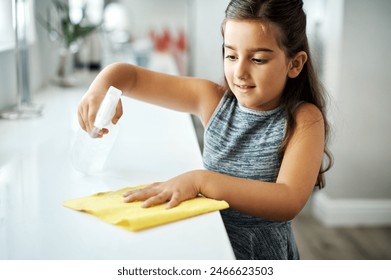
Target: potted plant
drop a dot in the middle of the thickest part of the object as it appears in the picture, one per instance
(67, 33)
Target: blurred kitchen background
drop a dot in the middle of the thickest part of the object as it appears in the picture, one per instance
(350, 39)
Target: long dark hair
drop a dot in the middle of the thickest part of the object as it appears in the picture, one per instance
(289, 17)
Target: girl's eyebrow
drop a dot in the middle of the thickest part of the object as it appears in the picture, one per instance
(254, 50)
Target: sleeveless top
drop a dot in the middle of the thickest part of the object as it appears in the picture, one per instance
(244, 143)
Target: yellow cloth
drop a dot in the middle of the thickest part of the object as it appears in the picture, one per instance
(109, 207)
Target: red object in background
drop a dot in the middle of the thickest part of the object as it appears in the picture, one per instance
(161, 42)
(175, 47)
(164, 42)
(181, 41)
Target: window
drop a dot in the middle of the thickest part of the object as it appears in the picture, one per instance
(6, 28)
(25, 10)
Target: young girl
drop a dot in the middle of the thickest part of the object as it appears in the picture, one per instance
(265, 129)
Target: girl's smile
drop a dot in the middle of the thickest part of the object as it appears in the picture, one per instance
(244, 88)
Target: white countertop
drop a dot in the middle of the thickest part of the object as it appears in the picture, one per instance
(36, 177)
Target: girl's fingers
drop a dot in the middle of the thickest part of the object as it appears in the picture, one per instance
(127, 193)
(155, 200)
(102, 132)
(174, 201)
(152, 195)
(139, 195)
(82, 115)
(92, 110)
(80, 118)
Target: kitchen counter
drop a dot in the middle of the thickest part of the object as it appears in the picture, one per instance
(36, 177)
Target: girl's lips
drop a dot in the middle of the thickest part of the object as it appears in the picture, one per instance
(244, 87)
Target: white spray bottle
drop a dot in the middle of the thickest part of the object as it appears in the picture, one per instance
(89, 153)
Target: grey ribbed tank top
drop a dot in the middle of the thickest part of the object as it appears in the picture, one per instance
(244, 143)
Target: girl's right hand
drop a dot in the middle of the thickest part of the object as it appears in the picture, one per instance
(88, 108)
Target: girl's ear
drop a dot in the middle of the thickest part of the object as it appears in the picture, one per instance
(296, 64)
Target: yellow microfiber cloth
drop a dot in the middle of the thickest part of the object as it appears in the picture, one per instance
(109, 207)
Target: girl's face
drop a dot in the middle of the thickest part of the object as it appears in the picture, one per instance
(255, 67)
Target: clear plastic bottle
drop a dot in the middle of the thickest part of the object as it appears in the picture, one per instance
(89, 153)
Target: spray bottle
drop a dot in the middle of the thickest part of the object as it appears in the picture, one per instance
(89, 153)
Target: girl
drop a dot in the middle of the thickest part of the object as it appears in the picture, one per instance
(265, 129)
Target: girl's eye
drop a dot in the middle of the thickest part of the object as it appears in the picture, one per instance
(259, 61)
(230, 57)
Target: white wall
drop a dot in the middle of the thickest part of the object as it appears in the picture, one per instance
(357, 39)
(206, 39)
(146, 15)
(361, 144)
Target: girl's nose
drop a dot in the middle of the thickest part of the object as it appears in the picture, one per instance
(241, 71)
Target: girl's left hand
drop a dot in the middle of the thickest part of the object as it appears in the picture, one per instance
(175, 190)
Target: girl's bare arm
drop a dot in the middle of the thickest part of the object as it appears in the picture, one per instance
(196, 96)
(281, 200)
